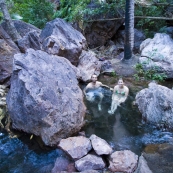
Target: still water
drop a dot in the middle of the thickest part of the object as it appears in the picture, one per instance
(122, 130)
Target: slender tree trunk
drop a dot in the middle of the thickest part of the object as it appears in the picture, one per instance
(10, 25)
(129, 29)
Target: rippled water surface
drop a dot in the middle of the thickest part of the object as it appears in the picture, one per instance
(25, 156)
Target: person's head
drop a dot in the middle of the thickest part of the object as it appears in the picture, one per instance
(120, 83)
(94, 78)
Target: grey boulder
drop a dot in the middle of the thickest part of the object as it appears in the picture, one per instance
(100, 146)
(60, 38)
(76, 147)
(90, 162)
(44, 98)
(156, 104)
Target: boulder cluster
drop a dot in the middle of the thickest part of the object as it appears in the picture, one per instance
(94, 153)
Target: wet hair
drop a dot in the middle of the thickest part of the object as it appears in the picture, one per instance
(120, 79)
(93, 75)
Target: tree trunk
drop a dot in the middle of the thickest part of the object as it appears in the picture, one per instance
(129, 29)
(10, 25)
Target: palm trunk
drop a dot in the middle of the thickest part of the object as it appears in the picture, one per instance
(129, 29)
(10, 25)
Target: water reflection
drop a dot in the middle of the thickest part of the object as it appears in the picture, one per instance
(19, 156)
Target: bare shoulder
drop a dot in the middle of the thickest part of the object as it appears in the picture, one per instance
(116, 86)
(89, 85)
(99, 83)
(126, 88)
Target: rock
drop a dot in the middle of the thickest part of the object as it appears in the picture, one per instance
(22, 27)
(100, 146)
(88, 65)
(90, 162)
(30, 40)
(7, 52)
(60, 38)
(156, 104)
(159, 157)
(76, 147)
(157, 52)
(142, 166)
(139, 37)
(168, 30)
(107, 67)
(99, 32)
(61, 164)
(123, 161)
(45, 93)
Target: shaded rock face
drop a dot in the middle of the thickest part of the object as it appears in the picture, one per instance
(44, 98)
(159, 157)
(139, 37)
(98, 33)
(60, 38)
(90, 162)
(158, 52)
(88, 65)
(123, 161)
(100, 146)
(156, 104)
(76, 147)
(142, 166)
(30, 40)
(7, 52)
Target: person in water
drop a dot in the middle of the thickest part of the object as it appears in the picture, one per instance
(93, 90)
(119, 95)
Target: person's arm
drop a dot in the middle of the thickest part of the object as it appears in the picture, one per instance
(106, 86)
(84, 90)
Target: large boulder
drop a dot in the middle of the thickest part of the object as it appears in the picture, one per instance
(88, 65)
(156, 104)
(100, 146)
(123, 161)
(7, 51)
(60, 38)
(44, 98)
(22, 27)
(76, 147)
(90, 162)
(157, 53)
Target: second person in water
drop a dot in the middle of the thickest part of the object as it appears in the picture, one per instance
(119, 95)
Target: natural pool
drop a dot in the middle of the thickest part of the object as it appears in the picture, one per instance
(122, 130)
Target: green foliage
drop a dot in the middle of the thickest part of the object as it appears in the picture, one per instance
(153, 72)
(150, 26)
(36, 12)
(113, 74)
(150, 74)
(71, 10)
(76, 10)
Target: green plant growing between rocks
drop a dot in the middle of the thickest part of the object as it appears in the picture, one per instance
(150, 74)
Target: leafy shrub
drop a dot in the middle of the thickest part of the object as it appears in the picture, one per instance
(150, 26)
(150, 74)
(36, 12)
